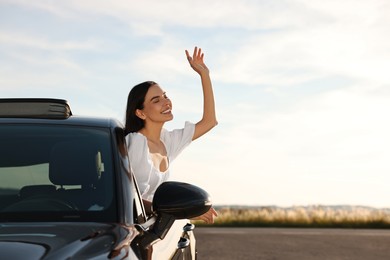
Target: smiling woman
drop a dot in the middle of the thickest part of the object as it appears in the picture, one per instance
(151, 147)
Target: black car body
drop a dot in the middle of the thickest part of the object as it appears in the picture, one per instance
(67, 191)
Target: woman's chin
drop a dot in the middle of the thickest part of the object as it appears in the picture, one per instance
(168, 117)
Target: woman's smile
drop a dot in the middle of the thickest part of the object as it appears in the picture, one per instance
(168, 111)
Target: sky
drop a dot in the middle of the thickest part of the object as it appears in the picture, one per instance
(302, 87)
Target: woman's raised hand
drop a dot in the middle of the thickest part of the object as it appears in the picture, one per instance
(196, 61)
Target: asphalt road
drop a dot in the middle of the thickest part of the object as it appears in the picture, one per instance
(291, 243)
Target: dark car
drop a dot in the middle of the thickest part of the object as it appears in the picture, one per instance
(67, 191)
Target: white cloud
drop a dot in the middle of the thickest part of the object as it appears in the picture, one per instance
(15, 39)
(344, 42)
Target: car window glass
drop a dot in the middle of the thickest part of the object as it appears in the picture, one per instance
(56, 168)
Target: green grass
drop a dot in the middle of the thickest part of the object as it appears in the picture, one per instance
(311, 217)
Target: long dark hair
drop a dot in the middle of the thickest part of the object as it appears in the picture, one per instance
(136, 101)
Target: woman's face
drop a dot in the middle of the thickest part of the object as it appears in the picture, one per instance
(157, 106)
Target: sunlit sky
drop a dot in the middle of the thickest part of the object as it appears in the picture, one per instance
(302, 87)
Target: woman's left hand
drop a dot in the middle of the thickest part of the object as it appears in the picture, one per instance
(208, 217)
(196, 61)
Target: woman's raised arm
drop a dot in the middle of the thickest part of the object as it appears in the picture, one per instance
(209, 119)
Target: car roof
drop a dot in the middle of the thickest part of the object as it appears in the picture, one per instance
(47, 111)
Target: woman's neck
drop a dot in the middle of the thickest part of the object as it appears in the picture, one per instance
(153, 134)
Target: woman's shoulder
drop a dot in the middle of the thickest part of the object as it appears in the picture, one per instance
(136, 140)
(135, 136)
(188, 129)
(177, 138)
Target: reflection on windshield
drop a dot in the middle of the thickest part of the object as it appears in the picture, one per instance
(55, 169)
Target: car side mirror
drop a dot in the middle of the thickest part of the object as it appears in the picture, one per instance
(175, 200)
(181, 200)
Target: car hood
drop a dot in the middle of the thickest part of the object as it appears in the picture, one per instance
(65, 240)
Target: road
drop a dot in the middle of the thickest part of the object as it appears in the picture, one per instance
(291, 243)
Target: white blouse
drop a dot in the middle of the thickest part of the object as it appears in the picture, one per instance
(148, 177)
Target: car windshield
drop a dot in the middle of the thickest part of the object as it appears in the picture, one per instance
(56, 173)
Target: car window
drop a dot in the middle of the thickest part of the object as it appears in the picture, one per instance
(65, 170)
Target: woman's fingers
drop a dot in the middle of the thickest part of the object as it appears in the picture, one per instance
(188, 56)
(195, 52)
(196, 61)
(214, 212)
(210, 215)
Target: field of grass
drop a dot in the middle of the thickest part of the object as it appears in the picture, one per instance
(311, 216)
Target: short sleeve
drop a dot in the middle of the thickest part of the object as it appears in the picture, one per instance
(139, 160)
(176, 140)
